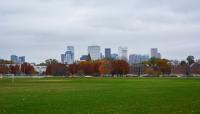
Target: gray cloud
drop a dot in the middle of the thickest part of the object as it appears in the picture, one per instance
(42, 29)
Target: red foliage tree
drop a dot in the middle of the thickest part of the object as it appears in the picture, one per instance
(4, 69)
(195, 68)
(120, 67)
(74, 68)
(86, 67)
(27, 69)
(57, 70)
(15, 69)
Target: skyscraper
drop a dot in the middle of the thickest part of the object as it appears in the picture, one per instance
(159, 55)
(123, 53)
(70, 48)
(108, 53)
(155, 53)
(63, 58)
(14, 58)
(17, 60)
(68, 57)
(95, 52)
(21, 60)
(72, 56)
(136, 59)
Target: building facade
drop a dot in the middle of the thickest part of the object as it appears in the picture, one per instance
(94, 52)
(18, 60)
(108, 53)
(136, 58)
(155, 53)
(21, 60)
(123, 53)
(14, 58)
(69, 56)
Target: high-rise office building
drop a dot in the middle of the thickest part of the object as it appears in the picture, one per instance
(68, 57)
(63, 58)
(70, 48)
(21, 60)
(155, 53)
(108, 53)
(14, 58)
(159, 55)
(123, 53)
(17, 60)
(95, 52)
(136, 59)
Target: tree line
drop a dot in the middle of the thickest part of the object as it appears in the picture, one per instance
(94, 68)
(105, 67)
(25, 68)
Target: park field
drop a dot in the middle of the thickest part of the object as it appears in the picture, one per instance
(100, 96)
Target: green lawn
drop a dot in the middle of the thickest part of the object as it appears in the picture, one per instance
(100, 96)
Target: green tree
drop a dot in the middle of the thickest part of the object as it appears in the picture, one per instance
(190, 60)
(51, 61)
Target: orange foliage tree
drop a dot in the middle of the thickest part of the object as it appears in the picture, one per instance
(105, 67)
(86, 67)
(157, 67)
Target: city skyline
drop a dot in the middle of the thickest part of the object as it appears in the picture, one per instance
(101, 51)
(41, 29)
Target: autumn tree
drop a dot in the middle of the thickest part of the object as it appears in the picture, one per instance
(86, 67)
(157, 67)
(96, 64)
(105, 67)
(195, 69)
(57, 70)
(27, 68)
(4, 69)
(15, 69)
(74, 68)
(119, 67)
(164, 66)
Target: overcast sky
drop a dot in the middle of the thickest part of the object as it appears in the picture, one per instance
(41, 29)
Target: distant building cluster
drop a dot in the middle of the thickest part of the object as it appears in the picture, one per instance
(94, 53)
(68, 57)
(18, 60)
(155, 53)
(136, 59)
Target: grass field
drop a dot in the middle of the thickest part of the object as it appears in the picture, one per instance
(100, 96)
